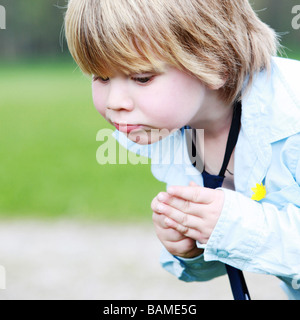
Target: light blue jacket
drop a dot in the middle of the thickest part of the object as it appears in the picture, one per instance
(260, 237)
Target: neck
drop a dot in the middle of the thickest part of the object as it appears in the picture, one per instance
(214, 117)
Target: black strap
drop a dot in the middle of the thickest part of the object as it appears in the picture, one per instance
(238, 284)
(233, 136)
(231, 141)
(237, 281)
(236, 277)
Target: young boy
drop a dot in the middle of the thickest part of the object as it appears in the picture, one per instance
(162, 66)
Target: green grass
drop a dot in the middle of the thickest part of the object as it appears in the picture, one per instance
(48, 150)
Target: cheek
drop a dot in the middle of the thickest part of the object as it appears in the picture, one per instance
(174, 106)
(98, 99)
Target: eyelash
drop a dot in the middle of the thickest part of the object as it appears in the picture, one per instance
(141, 80)
(96, 78)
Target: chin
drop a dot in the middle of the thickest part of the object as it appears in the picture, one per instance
(149, 137)
(141, 140)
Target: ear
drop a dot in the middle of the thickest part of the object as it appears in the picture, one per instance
(219, 85)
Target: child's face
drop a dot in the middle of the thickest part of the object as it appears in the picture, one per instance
(149, 106)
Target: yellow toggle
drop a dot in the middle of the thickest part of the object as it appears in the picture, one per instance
(259, 192)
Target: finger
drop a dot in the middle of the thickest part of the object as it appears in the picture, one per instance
(186, 220)
(159, 220)
(185, 248)
(194, 194)
(163, 231)
(182, 205)
(170, 235)
(185, 231)
(154, 204)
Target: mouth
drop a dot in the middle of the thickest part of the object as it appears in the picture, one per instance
(127, 128)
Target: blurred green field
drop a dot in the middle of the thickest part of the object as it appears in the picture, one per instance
(48, 150)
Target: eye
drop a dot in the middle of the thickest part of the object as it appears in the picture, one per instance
(104, 80)
(143, 80)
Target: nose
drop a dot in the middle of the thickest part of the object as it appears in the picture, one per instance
(119, 97)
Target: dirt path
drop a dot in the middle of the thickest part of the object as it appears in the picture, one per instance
(72, 260)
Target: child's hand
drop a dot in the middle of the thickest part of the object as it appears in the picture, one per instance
(175, 242)
(192, 211)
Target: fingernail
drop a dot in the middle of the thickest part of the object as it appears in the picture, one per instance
(161, 197)
(171, 190)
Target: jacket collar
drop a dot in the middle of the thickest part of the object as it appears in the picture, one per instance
(270, 112)
(272, 107)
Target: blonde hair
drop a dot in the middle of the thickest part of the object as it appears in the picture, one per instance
(217, 41)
